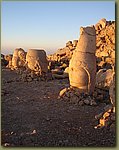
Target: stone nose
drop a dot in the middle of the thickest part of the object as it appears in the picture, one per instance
(81, 30)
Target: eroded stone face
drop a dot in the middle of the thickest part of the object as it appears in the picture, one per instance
(36, 60)
(18, 59)
(82, 67)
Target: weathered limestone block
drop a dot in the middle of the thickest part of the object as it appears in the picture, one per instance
(75, 43)
(9, 59)
(36, 60)
(103, 78)
(112, 55)
(101, 24)
(69, 43)
(66, 70)
(18, 59)
(82, 67)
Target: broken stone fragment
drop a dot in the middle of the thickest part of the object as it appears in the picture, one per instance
(112, 127)
(108, 107)
(81, 103)
(74, 99)
(105, 122)
(99, 115)
(69, 43)
(102, 122)
(92, 102)
(113, 117)
(66, 70)
(103, 78)
(67, 93)
(86, 101)
(62, 92)
(101, 24)
(105, 115)
(29, 79)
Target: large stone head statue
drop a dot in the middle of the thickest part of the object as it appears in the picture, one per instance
(18, 59)
(82, 67)
(36, 60)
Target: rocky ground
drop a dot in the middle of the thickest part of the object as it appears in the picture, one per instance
(32, 115)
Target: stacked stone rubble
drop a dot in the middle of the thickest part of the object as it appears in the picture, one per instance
(105, 47)
(73, 95)
(105, 43)
(64, 54)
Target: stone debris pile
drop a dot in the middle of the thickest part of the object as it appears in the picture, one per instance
(105, 43)
(64, 54)
(107, 117)
(73, 95)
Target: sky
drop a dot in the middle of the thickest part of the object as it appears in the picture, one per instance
(48, 25)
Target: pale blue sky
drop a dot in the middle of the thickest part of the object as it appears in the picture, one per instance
(48, 25)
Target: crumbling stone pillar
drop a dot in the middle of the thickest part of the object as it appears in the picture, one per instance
(36, 60)
(82, 67)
